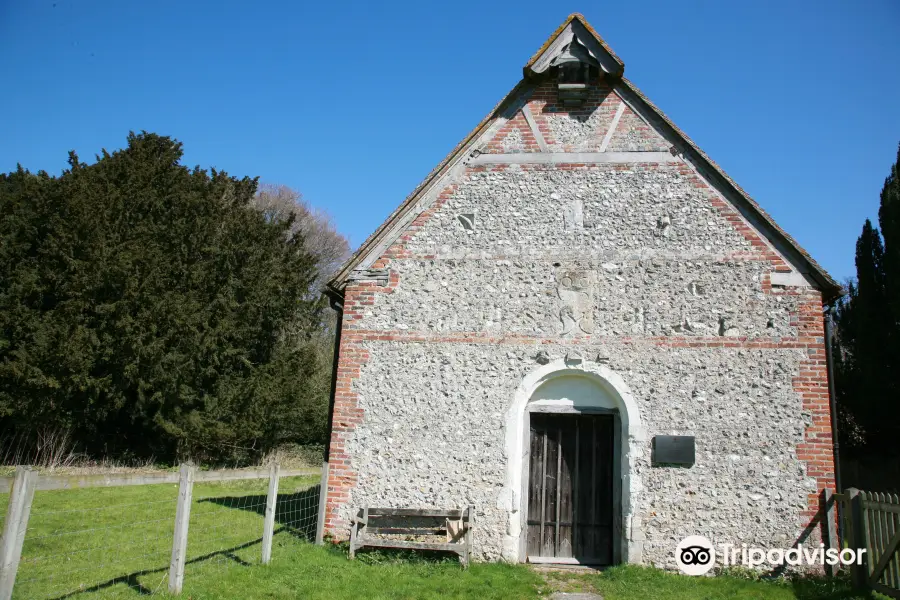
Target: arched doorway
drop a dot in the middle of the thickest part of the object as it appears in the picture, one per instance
(573, 436)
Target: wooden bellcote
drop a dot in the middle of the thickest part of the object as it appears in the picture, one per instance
(576, 70)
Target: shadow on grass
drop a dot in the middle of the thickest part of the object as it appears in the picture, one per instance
(294, 513)
(131, 580)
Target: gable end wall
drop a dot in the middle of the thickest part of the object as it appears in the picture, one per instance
(681, 305)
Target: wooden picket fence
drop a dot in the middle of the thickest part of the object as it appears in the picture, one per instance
(871, 520)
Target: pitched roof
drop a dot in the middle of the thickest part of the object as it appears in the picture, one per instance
(614, 69)
(576, 21)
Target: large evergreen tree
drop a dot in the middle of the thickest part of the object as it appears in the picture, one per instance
(889, 219)
(150, 309)
(867, 355)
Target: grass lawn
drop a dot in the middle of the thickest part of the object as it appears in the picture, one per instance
(115, 543)
(632, 582)
(310, 572)
(112, 540)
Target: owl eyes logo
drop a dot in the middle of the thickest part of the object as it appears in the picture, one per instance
(695, 555)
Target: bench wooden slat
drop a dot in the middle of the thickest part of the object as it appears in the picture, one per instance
(406, 530)
(415, 512)
(383, 543)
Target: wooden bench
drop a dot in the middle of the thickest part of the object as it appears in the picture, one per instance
(379, 528)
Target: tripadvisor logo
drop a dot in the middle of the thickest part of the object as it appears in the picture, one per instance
(695, 555)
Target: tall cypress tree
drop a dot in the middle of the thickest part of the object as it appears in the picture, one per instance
(868, 349)
(889, 219)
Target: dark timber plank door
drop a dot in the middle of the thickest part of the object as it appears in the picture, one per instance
(570, 507)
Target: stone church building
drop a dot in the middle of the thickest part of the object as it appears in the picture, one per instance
(581, 326)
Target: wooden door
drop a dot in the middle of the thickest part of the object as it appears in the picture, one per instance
(570, 499)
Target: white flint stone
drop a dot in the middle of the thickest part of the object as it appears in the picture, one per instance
(434, 423)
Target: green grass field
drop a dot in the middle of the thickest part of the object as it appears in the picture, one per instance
(115, 543)
(631, 583)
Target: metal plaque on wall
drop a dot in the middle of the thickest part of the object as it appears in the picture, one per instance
(673, 449)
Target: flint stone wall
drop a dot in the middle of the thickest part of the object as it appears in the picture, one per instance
(522, 296)
(433, 435)
(622, 261)
(638, 212)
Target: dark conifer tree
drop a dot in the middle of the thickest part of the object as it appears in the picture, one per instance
(148, 308)
(867, 355)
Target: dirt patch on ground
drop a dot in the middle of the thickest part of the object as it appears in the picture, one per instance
(569, 582)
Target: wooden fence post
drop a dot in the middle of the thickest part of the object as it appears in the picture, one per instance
(859, 572)
(269, 521)
(829, 513)
(17, 513)
(470, 513)
(323, 500)
(182, 520)
(847, 515)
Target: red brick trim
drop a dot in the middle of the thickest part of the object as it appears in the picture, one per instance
(759, 246)
(342, 477)
(817, 448)
(544, 102)
(495, 145)
(670, 341)
(398, 248)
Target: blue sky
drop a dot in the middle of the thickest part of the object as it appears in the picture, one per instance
(354, 103)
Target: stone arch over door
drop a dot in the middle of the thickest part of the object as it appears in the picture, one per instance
(574, 387)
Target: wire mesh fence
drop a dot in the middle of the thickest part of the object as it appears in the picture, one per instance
(115, 542)
(97, 540)
(226, 526)
(297, 509)
(226, 523)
